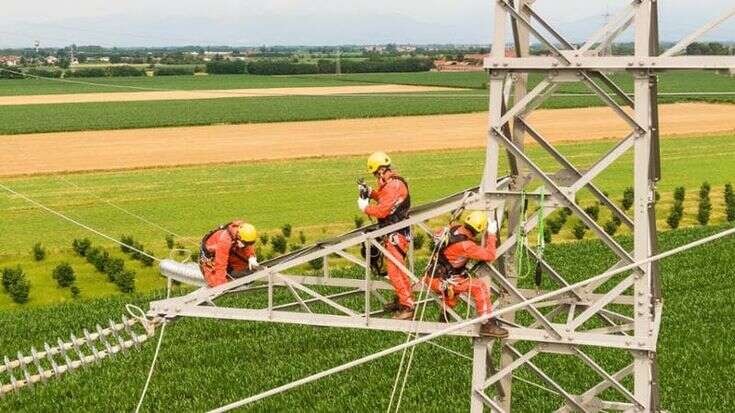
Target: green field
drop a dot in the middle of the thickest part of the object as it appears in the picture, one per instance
(670, 82)
(151, 114)
(238, 110)
(18, 87)
(204, 364)
(315, 195)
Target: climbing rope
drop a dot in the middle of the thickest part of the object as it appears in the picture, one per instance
(425, 288)
(541, 237)
(520, 256)
(155, 354)
(424, 292)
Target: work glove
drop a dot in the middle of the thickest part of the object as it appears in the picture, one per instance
(362, 203)
(253, 262)
(492, 227)
(364, 190)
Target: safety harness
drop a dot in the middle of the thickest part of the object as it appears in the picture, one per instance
(400, 212)
(203, 252)
(206, 258)
(444, 268)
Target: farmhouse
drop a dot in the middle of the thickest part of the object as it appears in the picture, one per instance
(10, 60)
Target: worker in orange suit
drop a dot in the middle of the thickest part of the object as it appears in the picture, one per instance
(228, 249)
(392, 204)
(449, 277)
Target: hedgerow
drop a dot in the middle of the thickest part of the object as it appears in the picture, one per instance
(173, 71)
(114, 268)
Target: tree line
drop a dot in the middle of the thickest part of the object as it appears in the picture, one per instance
(324, 66)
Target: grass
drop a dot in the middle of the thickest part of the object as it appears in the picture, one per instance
(669, 82)
(124, 115)
(315, 195)
(237, 110)
(680, 81)
(20, 87)
(205, 363)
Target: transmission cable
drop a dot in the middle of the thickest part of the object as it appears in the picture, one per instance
(76, 222)
(136, 216)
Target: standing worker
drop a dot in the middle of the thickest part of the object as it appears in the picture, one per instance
(226, 249)
(450, 277)
(392, 205)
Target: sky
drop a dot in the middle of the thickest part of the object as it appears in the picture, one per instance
(314, 22)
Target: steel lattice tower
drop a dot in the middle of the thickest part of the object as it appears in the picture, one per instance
(617, 310)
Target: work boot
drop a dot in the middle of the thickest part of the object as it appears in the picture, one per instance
(492, 329)
(392, 306)
(405, 313)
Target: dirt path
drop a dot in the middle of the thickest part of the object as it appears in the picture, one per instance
(212, 94)
(138, 148)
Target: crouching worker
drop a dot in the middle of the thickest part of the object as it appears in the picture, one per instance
(450, 277)
(228, 250)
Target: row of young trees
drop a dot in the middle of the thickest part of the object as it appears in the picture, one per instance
(704, 208)
(114, 268)
(704, 211)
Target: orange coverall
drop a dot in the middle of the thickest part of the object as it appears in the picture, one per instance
(457, 255)
(391, 193)
(227, 255)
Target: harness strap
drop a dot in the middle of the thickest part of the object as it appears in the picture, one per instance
(401, 210)
(444, 267)
(203, 245)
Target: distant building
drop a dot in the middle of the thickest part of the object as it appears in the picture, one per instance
(374, 49)
(51, 60)
(471, 62)
(406, 49)
(104, 59)
(10, 60)
(223, 54)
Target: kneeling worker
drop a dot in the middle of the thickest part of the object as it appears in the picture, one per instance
(226, 249)
(450, 277)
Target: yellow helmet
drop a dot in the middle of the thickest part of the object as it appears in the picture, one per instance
(376, 160)
(247, 233)
(477, 220)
